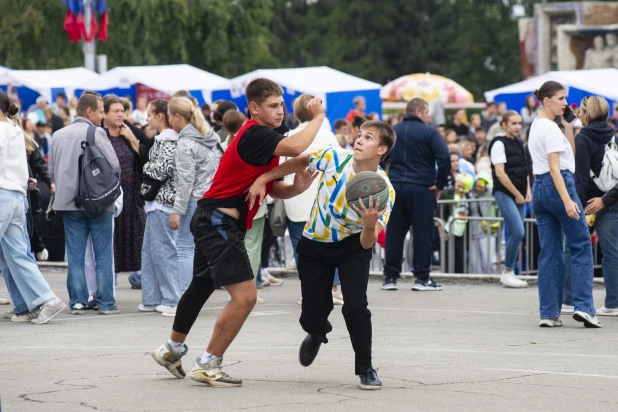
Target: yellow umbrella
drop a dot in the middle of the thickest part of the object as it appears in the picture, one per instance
(429, 87)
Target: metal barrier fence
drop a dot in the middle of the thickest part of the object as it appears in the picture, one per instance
(526, 264)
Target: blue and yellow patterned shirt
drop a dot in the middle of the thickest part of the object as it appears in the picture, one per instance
(332, 218)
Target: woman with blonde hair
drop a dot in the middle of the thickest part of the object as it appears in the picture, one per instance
(197, 158)
(590, 145)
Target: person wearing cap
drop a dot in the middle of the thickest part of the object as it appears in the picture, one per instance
(482, 233)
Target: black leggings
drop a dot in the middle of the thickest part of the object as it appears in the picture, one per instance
(192, 302)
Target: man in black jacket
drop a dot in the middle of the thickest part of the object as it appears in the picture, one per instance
(419, 148)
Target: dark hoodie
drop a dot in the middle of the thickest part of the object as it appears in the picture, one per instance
(589, 151)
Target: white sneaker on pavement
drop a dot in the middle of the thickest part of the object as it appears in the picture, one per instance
(170, 313)
(337, 297)
(49, 309)
(4, 301)
(273, 281)
(147, 308)
(27, 317)
(607, 312)
(588, 320)
(43, 255)
(567, 309)
(511, 281)
(550, 323)
(163, 308)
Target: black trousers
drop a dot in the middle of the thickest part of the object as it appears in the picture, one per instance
(413, 207)
(317, 262)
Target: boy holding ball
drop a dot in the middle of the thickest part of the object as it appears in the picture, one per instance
(342, 237)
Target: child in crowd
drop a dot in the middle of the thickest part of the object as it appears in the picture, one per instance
(482, 233)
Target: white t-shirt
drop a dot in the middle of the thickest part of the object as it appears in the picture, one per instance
(498, 154)
(545, 137)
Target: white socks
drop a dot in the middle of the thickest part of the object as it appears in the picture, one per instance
(207, 357)
(177, 348)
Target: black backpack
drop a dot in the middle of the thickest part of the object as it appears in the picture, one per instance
(99, 184)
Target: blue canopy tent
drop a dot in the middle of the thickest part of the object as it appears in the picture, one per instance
(30, 84)
(335, 88)
(579, 83)
(167, 79)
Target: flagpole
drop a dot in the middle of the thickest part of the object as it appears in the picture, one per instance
(89, 47)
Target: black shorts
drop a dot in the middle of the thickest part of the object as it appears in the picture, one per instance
(219, 248)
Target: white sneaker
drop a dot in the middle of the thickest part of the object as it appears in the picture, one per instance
(265, 282)
(9, 314)
(27, 317)
(4, 301)
(49, 309)
(273, 281)
(170, 313)
(567, 309)
(510, 281)
(607, 312)
(77, 309)
(163, 308)
(147, 308)
(550, 323)
(43, 255)
(337, 297)
(588, 320)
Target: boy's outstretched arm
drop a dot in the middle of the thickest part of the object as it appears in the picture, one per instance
(291, 166)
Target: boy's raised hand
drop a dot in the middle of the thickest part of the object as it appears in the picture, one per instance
(315, 108)
(304, 179)
(371, 214)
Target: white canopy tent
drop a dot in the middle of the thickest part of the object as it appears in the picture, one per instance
(336, 89)
(47, 82)
(601, 82)
(167, 79)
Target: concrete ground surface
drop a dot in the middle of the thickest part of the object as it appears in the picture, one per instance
(470, 347)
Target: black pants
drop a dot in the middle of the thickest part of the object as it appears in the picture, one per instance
(317, 262)
(414, 207)
(268, 240)
(192, 302)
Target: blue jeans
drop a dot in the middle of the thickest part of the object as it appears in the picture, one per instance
(606, 227)
(185, 247)
(513, 215)
(161, 280)
(77, 226)
(18, 301)
(296, 232)
(23, 274)
(553, 221)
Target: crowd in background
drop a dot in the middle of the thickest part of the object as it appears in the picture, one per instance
(166, 153)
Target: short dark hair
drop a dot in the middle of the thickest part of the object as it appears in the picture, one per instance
(387, 134)
(480, 129)
(88, 100)
(415, 105)
(340, 123)
(61, 95)
(126, 105)
(358, 121)
(205, 106)
(260, 89)
(491, 104)
(109, 100)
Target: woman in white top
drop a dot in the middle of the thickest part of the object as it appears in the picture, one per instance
(298, 209)
(559, 212)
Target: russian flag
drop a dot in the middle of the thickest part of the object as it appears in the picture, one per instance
(102, 11)
(73, 20)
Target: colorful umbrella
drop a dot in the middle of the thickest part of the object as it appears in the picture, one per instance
(429, 87)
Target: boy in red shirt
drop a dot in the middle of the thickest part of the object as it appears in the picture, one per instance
(219, 226)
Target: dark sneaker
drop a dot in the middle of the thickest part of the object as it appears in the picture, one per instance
(389, 284)
(426, 285)
(170, 360)
(308, 350)
(370, 380)
(211, 374)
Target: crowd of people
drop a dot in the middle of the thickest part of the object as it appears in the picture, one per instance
(194, 212)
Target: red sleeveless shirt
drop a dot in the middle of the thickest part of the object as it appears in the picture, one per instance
(234, 177)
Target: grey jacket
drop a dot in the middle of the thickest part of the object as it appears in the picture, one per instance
(197, 160)
(64, 157)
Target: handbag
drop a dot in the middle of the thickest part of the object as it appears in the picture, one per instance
(150, 188)
(278, 218)
(488, 227)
